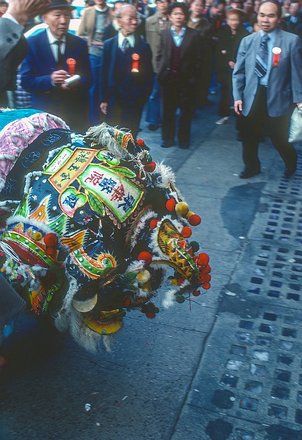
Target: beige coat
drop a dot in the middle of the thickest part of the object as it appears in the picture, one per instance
(153, 37)
(87, 24)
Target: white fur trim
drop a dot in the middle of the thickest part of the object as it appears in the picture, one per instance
(169, 299)
(167, 176)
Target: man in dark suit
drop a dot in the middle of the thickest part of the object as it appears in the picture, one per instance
(126, 80)
(267, 82)
(12, 42)
(179, 72)
(293, 22)
(46, 70)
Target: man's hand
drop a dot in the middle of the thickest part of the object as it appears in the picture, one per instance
(58, 77)
(23, 10)
(97, 43)
(104, 107)
(238, 107)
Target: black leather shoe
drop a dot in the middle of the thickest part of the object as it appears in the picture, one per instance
(247, 174)
(166, 145)
(153, 127)
(184, 146)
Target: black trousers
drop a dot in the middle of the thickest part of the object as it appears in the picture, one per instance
(257, 125)
(177, 95)
(226, 94)
(125, 115)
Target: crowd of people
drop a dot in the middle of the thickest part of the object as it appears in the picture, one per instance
(165, 58)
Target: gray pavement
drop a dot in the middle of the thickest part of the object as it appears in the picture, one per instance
(228, 367)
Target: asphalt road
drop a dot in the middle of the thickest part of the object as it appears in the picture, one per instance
(195, 371)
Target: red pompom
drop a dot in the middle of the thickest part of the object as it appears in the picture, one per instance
(127, 301)
(186, 232)
(51, 239)
(180, 281)
(202, 259)
(170, 204)
(206, 286)
(140, 142)
(194, 219)
(206, 269)
(153, 222)
(196, 293)
(150, 315)
(204, 278)
(51, 251)
(150, 167)
(146, 256)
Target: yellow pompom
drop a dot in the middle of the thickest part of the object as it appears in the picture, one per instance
(182, 208)
(37, 236)
(146, 287)
(143, 276)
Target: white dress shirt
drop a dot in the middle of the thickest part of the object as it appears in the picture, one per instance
(53, 46)
(121, 38)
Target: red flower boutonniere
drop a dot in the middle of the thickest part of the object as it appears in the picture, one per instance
(276, 56)
(135, 62)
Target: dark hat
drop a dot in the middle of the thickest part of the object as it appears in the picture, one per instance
(238, 11)
(58, 4)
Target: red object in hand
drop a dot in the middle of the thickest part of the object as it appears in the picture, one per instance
(71, 65)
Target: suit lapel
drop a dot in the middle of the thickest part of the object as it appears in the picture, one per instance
(46, 50)
(254, 49)
(68, 47)
(277, 43)
(278, 39)
(113, 55)
(137, 44)
(168, 44)
(185, 43)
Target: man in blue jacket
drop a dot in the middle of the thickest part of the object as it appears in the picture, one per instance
(267, 82)
(126, 80)
(47, 66)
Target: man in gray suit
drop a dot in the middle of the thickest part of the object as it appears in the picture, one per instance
(12, 42)
(267, 82)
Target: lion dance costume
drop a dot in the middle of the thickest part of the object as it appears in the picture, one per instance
(90, 226)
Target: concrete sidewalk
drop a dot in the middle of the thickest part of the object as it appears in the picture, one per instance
(224, 368)
(248, 385)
